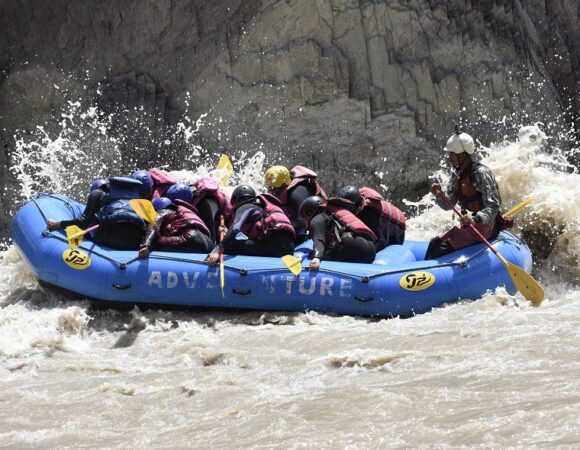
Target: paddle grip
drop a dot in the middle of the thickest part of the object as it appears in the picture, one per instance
(475, 230)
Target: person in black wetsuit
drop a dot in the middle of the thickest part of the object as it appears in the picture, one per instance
(120, 227)
(292, 187)
(385, 220)
(259, 228)
(97, 192)
(337, 234)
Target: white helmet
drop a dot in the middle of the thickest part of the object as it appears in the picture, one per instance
(459, 143)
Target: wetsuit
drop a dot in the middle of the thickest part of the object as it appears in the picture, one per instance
(350, 247)
(88, 217)
(273, 243)
(304, 184)
(295, 199)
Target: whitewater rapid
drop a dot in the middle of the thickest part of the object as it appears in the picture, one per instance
(494, 373)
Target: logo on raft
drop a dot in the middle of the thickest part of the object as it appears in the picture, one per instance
(417, 281)
(76, 259)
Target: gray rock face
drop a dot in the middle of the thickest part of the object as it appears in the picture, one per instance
(362, 91)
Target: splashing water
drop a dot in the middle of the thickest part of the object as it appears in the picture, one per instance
(494, 373)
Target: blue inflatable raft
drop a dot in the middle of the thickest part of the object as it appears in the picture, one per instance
(398, 283)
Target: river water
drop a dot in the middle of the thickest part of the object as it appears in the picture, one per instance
(493, 373)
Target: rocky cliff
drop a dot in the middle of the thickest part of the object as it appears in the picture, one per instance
(362, 91)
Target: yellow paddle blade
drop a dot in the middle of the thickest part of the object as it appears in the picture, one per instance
(144, 208)
(524, 282)
(518, 207)
(225, 169)
(529, 287)
(294, 264)
(222, 278)
(74, 235)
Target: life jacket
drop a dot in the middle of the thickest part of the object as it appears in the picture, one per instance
(345, 220)
(161, 182)
(115, 207)
(468, 197)
(271, 218)
(185, 216)
(209, 187)
(302, 175)
(388, 213)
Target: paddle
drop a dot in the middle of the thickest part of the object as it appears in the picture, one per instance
(143, 208)
(222, 277)
(294, 264)
(522, 280)
(75, 235)
(225, 167)
(519, 206)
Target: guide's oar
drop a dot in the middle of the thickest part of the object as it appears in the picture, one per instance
(225, 167)
(522, 280)
(519, 206)
(293, 263)
(143, 207)
(222, 276)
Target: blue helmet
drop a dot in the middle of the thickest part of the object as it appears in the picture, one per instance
(145, 179)
(161, 203)
(99, 183)
(179, 191)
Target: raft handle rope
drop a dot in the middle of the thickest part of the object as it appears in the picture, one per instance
(245, 272)
(34, 198)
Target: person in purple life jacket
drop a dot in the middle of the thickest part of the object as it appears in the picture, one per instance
(211, 203)
(97, 191)
(155, 183)
(178, 226)
(337, 234)
(259, 228)
(292, 187)
(385, 220)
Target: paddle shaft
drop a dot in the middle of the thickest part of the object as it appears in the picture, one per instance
(473, 228)
(222, 280)
(83, 232)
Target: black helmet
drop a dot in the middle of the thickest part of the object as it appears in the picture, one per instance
(310, 206)
(243, 192)
(351, 193)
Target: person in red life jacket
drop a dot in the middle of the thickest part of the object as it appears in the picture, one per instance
(97, 192)
(211, 203)
(178, 226)
(259, 228)
(473, 186)
(337, 234)
(155, 183)
(385, 220)
(292, 187)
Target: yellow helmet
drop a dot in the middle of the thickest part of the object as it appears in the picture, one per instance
(277, 176)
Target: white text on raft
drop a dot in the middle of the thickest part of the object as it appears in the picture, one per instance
(288, 284)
